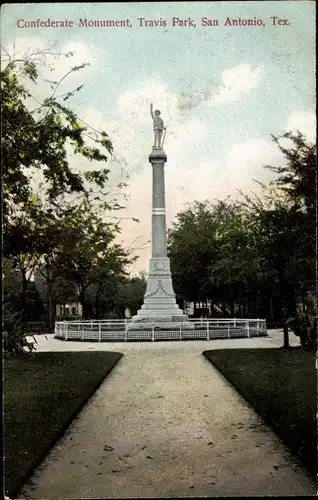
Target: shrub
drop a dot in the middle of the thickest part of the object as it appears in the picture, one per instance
(14, 336)
(305, 327)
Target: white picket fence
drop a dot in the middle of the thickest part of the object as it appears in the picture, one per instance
(118, 330)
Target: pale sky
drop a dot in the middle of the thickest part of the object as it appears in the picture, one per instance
(222, 91)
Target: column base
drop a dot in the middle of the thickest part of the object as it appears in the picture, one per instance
(160, 309)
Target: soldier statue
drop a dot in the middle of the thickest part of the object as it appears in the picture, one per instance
(158, 127)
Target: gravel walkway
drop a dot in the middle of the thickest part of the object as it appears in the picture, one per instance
(165, 423)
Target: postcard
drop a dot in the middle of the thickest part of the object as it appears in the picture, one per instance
(137, 139)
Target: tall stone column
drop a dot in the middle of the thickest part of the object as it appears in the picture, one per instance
(160, 307)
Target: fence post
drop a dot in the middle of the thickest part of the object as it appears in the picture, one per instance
(234, 322)
(126, 331)
(83, 331)
(100, 331)
(152, 333)
(248, 328)
(207, 330)
(66, 331)
(180, 332)
(257, 327)
(228, 331)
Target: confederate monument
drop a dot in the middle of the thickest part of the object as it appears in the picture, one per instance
(159, 307)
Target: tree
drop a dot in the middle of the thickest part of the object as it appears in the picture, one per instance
(191, 250)
(131, 293)
(289, 221)
(42, 139)
(297, 178)
(46, 133)
(23, 246)
(11, 282)
(88, 256)
(32, 238)
(212, 251)
(14, 340)
(255, 257)
(236, 271)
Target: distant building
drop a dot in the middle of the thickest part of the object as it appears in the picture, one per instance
(72, 309)
(198, 309)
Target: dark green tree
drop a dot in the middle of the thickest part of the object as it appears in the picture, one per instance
(89, 256)
(38, 137)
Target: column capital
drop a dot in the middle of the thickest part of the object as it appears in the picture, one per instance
(157, 155)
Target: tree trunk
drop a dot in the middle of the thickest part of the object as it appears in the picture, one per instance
(23, 297)
(224, 311)
(244, 309)
(303, 300)
(50, 303)
(271, 307)
(282, 293)
(211, 309)
(85, 306)
(240, 308)
(50, 306)
(232, 308)
(97, 300)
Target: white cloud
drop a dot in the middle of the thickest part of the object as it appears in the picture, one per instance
(304, 121)
(187, 132)
(245, 160)
(236, 82)
(135, 103)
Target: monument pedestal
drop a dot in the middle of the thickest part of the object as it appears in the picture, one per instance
(160, 309)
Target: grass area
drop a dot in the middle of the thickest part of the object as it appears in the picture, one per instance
(43, 392)
(281, 385)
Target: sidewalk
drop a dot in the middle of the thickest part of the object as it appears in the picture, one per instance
(165, 423)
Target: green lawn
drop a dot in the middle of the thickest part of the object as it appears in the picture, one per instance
(281, 385)
(43, 392)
